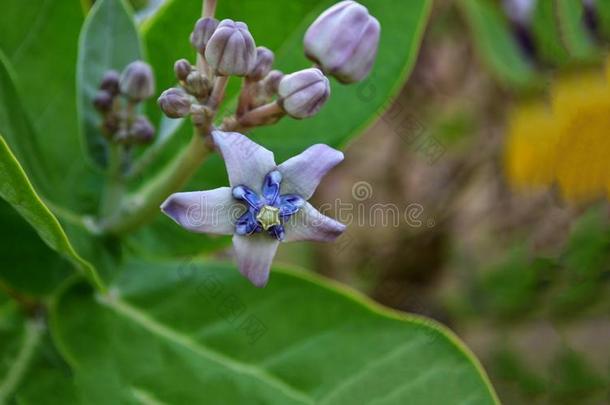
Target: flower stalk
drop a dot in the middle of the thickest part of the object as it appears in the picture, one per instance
(142, 206)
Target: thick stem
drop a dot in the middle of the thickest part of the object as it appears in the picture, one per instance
(245, 97)
(141, 207)
(19, 366)
(209, 8)
(218, 92)
(264, 115)
(114, 187)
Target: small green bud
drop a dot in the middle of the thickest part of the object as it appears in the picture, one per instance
(137, 82)
(175, 103)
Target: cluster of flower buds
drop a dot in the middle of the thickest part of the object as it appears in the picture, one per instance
(117, 99)
(342, 42)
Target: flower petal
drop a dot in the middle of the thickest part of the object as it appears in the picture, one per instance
(213, 211)
(243, 193)
(302, 173)
(247, 162)
(309, 224)
(271, 186)
(254, 256)
(246, 224)
(289, 204)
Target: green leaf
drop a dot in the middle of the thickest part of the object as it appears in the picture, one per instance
(16, 189)
(19, 339)
(108, 40)
(547, 34)
(16, 126)
(182, 332)
(44, 33)
(603, 11)
(496, 44)
(281, 28)
(573, 31)
(24, 255)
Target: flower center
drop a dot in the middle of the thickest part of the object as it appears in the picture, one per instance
(268, 217)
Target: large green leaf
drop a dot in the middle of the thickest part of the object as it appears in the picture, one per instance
(39, 38)
(573, 31)
(496, 45)
(29, 264)
(199, 332)
(547, 35)
(108, 40)
(19, 339)
(281, 28)
(16, 126)
(31, 370)
(16, 189)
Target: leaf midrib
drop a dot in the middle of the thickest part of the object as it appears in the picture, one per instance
(132, 313)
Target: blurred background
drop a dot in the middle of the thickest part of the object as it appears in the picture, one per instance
(436, 226)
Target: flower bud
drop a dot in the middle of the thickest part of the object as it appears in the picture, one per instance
(262, 66)
(231, 49)
(204, 28)
(103, 101)
(182, 68)
(110, 82)
(271, 82)
(142, 131)
(343, 41)
(137, 81)
(198, 85)
(303, 93)
(175, 103)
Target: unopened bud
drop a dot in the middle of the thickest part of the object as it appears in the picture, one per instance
(343, 40)
(137, 81)
(204, 28)
(175, 103)
(271, 82)
(103, 101)
(198, 85)
(303, 93)
(231, 49)
(142, 131)
(110, 82)
(263, 64)
(182, 68)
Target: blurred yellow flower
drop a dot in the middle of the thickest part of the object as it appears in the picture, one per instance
(565, 143)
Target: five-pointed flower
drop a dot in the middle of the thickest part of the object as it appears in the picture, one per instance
(265, 204)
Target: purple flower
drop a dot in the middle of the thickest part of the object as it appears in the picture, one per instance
(265, 204)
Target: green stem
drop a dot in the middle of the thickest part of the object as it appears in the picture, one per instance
(114, 188)
(32, 337)
(141, 207)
